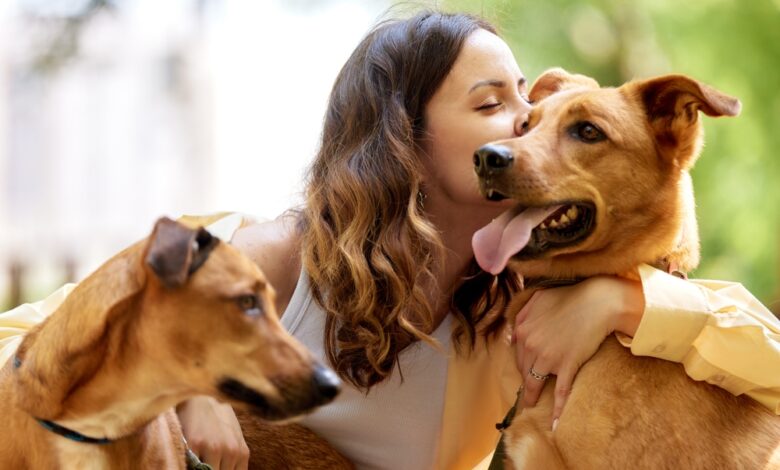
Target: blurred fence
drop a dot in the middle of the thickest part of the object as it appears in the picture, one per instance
(113, 113)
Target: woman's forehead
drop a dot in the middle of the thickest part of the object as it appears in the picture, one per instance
(484, 56)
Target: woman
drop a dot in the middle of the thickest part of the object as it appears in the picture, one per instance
(376, 273)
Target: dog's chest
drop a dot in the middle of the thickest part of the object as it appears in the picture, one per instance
(79, 456)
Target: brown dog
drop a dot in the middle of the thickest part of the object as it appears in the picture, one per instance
(176, 315)
(602, 185)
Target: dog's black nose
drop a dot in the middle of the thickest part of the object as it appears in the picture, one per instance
(326, 383)
(492, 159)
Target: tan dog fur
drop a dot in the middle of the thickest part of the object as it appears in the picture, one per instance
(171, 317)
(288, 446)
(625, 411)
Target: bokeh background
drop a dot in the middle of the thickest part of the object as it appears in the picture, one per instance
(114, 112)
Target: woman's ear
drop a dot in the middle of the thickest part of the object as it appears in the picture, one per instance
(556, 79)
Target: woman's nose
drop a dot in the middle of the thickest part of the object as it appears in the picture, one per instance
(521, 122)
(521, 125)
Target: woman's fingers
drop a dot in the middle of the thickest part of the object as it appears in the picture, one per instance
(209, 455)
(528, 360)
(242, 462)
(533, 384)
(235, 453)
(563, 384)
(521, 354)
(213, 433)
(560, 328)
(521, 316)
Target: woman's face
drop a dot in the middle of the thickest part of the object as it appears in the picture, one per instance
(482, 99)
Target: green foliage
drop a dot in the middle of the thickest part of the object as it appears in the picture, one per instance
(732, 45)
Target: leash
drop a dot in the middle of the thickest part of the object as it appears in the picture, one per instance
(497, 462)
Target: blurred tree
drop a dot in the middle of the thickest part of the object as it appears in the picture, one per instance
(732, 45)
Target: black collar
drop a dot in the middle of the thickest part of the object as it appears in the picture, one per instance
(71, 434)
(62, 430)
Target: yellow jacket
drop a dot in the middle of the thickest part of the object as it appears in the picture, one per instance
(717, 330)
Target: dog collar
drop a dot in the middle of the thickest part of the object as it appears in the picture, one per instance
(71, 434)
(62, 430)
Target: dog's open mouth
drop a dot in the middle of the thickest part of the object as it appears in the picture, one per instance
(568, 225)
(531, 232)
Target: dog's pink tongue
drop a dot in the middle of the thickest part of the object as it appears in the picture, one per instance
(495, 243)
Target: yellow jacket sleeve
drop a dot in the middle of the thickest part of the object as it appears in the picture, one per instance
(717, 330)
(15, 323)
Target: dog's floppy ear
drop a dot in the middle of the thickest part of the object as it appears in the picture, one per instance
(672, 104)
(176, 251)
(556, 79)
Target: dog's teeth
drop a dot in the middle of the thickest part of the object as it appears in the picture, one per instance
(490, 193)
(543, 226)
(572, 212)
(564, 220)
(554, 223)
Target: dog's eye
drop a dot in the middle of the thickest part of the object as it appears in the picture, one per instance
(250, 304)
(587, 132)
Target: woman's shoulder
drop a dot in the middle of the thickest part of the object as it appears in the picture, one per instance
(275, 246)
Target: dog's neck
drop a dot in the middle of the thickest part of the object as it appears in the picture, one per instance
(117, 406)
(97, 380)
(124, 394)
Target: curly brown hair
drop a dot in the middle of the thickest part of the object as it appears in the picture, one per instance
(367, 245)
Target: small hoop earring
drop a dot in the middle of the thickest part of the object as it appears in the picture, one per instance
(421, 197)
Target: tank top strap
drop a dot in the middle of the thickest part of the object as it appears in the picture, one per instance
(299, 303)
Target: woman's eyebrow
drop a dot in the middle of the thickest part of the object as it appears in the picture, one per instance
(495, 83)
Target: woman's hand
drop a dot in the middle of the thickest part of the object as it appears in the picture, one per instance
(559, 329)
(213, 433)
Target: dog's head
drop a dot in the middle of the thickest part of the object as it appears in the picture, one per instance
(213, 310)
(600, 177)
(178, 314)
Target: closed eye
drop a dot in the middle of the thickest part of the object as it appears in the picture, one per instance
(587, 132)
(488, 106)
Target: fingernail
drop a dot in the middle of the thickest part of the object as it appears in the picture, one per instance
(555, 424)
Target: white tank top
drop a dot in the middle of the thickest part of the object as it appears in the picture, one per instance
(395, 426)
